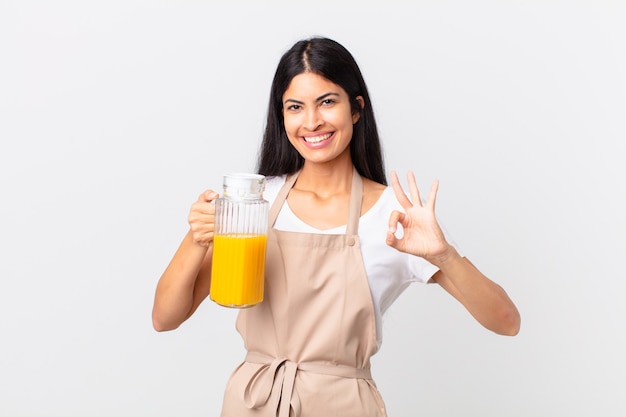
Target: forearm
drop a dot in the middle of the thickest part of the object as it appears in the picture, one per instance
(183, 285)
(488, 303)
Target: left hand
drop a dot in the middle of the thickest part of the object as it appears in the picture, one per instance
(422, 235)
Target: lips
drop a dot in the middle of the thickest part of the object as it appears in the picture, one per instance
(317, 139)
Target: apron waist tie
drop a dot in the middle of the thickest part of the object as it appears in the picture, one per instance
(280, 374)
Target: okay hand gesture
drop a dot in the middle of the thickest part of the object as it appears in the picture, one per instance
(421, 235)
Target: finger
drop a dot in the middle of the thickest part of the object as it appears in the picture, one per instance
(207, 237)
(200, 226)
(204, 241)
(203, 207)
(202, 234)
(432, 195)
(415, 193)
(201, 214)
(391, 240)
(399, 192)
(394, 218)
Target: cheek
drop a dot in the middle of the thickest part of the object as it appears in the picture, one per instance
(343, 121)
(349, 131)
(290, 123)
(291, 129)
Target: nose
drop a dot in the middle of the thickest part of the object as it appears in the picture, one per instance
(312, 119)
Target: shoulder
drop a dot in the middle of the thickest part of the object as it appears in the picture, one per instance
(272, 187)
(380, 200)
(372, 193)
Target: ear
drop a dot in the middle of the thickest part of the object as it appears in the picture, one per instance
(357, 115)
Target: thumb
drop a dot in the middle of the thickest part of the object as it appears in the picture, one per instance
(208, 196)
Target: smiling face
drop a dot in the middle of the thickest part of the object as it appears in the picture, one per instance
(318, 118)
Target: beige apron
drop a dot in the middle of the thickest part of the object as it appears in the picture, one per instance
(310, 341)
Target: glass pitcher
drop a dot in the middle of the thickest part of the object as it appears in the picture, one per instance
(239, 243)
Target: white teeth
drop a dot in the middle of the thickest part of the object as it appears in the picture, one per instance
(317, 139)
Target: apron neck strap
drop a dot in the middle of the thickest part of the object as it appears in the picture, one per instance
(281, 197)
(356, 200)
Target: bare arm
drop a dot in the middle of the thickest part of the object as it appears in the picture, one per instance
(186, 281)
(486, 301)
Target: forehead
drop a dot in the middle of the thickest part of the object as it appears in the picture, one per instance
(310, 85)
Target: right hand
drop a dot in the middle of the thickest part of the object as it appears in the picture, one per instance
(201, 218)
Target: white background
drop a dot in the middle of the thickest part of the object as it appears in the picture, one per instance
(115, 115)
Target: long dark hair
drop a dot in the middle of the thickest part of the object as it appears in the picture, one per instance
(332, 61)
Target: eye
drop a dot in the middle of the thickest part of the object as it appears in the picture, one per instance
(328, 102)
(294, 107)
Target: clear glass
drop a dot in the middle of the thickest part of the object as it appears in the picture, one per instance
(240, 241)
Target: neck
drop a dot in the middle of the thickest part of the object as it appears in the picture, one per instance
(325, 179)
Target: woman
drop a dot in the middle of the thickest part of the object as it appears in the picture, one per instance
(335, 261)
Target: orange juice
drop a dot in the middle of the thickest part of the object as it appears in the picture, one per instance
(238, 270)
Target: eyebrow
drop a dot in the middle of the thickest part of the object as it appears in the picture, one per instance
(317, 100)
